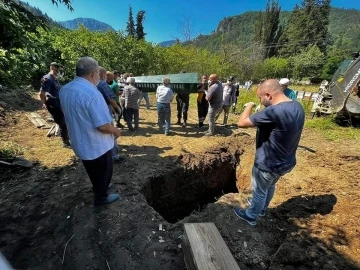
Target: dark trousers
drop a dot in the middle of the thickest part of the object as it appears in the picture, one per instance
(182, 104)
(132, 114)
(53, 107)
(203, 108)
(100, 172)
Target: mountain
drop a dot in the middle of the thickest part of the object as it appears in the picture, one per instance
(167, 43)
(89, 23)
(344, 29)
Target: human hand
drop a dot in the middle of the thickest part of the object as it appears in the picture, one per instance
(249, 103)
(258, 108)
(117, 133)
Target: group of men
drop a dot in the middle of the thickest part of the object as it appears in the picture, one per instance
(86, 123)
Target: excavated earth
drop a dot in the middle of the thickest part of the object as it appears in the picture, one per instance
(48, 220)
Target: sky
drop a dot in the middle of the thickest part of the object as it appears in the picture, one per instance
(164, 18)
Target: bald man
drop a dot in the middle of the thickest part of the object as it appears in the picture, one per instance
(279, 128)
(215, 98)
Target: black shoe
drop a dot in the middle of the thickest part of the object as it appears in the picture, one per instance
(184, 124)
(119, 125)
(178, 122)
(242, 215)
(110, 199)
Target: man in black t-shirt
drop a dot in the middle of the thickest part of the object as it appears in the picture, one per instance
(49, 95)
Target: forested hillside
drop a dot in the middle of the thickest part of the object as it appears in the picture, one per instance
(344, 30)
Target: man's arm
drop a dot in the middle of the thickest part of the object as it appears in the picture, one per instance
(109, 129)
(114, 105)
(42, 98)
(244, 120)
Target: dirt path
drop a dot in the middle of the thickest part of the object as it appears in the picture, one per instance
(312, 223)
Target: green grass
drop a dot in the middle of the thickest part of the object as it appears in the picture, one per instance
(10, 150)
(331, 130)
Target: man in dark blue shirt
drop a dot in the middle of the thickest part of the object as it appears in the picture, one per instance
(279, 128)
(49, 95)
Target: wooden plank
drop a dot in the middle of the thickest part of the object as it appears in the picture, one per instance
(205, 249)
(33, 121)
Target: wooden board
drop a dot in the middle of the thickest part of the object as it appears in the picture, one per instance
(205, 249)
(37, 120)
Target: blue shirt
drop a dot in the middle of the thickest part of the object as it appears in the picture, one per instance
(278, 135)
(290, 94)
(85, 110)
(106, 91)
(50, 85)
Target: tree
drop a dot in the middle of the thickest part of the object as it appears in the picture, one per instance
(307, 63)
(268, 29)
(130, 28)
(140, 18)
(186, 28)
(308, 25)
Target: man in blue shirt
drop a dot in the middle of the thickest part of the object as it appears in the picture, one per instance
(49, 95)
(279, 128)
(89, 125)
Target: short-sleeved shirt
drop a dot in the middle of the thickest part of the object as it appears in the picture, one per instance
(278, 134)
(85, 110)
(50, 85)
(115, 88)
(215, 92)
(131, 95)
(290, 94)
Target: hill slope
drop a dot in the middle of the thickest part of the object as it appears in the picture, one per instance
(344, 29)
(89, 23)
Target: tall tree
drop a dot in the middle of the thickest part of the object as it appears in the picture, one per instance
(308, 25)
(130, 28)
(140, 18)
(268, 29)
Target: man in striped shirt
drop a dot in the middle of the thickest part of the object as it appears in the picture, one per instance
(132, 95)
(89, 126)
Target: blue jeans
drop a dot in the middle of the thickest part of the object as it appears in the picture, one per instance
(130, 114)
(263, 187)
(144, 95)
(164, 115)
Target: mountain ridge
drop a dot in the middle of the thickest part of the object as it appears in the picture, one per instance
(89, 23)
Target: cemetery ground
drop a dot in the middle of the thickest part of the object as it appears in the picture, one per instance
(48, 220)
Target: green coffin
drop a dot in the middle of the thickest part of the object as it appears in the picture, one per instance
(179, 83)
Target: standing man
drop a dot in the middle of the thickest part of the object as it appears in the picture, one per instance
(279, 128)
(182, 106)
(229, 97)
(49, 95)
(132, 95)
(285, 82)
(202, 103)
(237, 93)
(109, 98)
(110, 79)
(215, 98)
(164, 96)
(89, 123)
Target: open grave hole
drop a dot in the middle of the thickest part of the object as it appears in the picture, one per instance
(198, 181)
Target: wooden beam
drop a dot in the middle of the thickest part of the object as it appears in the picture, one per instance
(205, 249)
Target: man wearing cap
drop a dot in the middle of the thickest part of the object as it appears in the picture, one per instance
(285, 82)
(229, 97)
(49, 95)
